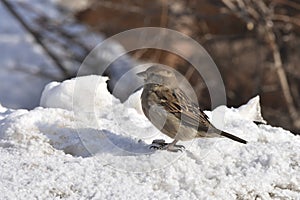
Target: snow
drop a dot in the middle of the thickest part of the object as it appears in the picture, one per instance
(252, 111)
(72, 149)
(60, 95)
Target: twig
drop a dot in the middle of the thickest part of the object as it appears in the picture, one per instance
(294, 90)
(289, 3)
(285, 18)
(266, 23)
(282, 78)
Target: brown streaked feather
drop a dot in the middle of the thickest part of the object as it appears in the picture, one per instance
(177, 103)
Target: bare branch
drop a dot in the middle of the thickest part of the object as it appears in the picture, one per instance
(37, 38)
(292, 4)
(285, 18)
(265, 17)
(282, 78)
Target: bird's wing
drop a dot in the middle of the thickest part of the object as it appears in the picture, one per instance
(177, 103)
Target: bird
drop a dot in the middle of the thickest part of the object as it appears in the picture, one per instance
(171, 111)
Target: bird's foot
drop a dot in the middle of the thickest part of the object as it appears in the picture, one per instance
(162, 145)
(158, 144)
(175, 148)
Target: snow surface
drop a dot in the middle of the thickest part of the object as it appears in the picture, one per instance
(72, 148)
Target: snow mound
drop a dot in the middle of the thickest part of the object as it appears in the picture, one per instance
(134, 101)
(81, 93)
(252, 111)
(86, 144)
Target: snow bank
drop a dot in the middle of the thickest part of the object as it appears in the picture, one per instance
(74, 149)
(82, 93)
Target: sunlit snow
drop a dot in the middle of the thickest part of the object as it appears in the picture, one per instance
(84, 143)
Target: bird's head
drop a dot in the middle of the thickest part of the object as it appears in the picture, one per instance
(158, 75)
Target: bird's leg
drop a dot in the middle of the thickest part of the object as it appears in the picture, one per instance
(174, 147)
(162, 145)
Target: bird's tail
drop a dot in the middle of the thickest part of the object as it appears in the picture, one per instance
(235, 138)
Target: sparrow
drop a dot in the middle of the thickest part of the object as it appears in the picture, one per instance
(171, 111)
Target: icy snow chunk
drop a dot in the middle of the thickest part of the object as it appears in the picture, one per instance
(85, 93)
(2, 109)
(252, 111)
(134, 101)
(56, 96)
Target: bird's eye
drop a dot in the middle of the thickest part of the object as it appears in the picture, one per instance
(168, 73)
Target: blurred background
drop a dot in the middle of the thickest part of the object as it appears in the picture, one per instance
(255, 44)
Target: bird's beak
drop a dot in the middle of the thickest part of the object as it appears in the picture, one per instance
(142, 74)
